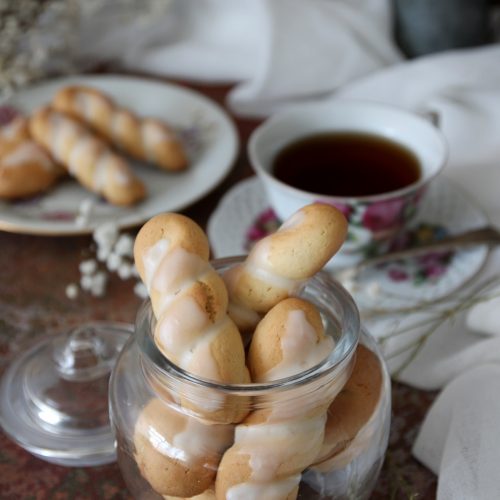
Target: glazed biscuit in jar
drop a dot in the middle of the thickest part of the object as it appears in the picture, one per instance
(273, 446)
(176, 453)
(189, 300)
(279, 264)
(351, 411)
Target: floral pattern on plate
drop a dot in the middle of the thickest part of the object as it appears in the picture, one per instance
(373, 223)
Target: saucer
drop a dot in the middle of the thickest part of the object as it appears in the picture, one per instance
(243, 216)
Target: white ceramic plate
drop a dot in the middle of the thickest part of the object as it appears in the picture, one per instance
(395, 286)
(207, 130)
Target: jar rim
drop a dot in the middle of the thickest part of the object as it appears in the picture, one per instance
(350, 326)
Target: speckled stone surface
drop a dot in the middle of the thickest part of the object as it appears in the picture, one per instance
(34, 273)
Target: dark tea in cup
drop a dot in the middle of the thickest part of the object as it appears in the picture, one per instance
(346, 164)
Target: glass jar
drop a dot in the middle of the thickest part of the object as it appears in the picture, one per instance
(169, 449)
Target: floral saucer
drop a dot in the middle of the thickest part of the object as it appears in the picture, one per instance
(243, 216)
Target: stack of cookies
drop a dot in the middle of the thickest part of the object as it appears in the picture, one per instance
(83, 133)
(246, 325)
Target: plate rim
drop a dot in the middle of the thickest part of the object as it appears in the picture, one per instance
(72, 229)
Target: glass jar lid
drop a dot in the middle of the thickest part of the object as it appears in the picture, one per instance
(54, 396)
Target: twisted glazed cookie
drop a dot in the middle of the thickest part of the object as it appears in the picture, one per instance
(145, 139)
(273, 445)
(25, 168)
(348, 426)
(177, 453)
(278, 265)
(288, 340)
(190, 301)
(86, 157)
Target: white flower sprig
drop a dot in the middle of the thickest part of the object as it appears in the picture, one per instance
(114, 254)
(38, 38)
(42, 38)
(430, 316)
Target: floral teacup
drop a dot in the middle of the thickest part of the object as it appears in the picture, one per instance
(376, 220)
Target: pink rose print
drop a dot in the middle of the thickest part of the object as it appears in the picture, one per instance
(383, 215)
(396, 274)
(426, 268)
(7, 114)
(266, 223)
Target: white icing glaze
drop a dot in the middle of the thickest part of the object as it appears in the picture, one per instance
(101, 171)
(244, 317)
(270, 445)
(62, 133)
(152, 134)
(184, 332)
(300, 348)
(178, 271)
(27, 152)
(200, 360)
(81, 149)
(198, 439)
(88, 104)
(180, 324)
(152, 258)
(254, 268)
(162, 445)
(122, 122)
(277, 490)
(294, 430)
(120, 173)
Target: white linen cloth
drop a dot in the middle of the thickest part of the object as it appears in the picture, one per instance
(277, 51)
(460, 437)
(281, 51)
(463, 87)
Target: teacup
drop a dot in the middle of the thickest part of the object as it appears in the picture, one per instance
(375, 219)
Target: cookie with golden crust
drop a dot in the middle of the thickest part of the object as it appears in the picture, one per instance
(190, 301)
(86, 157)
(279, 264)
(144, 138)
(178, 236)
(269, 457)
(177, 454)
(289, 339)
(25, 167)
(275, 443)
(351, 410)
